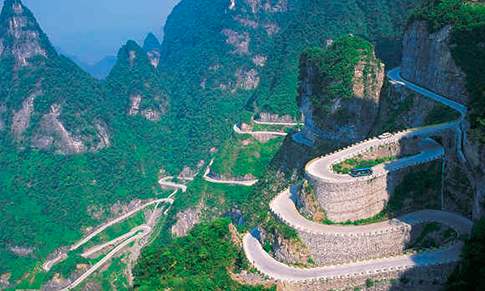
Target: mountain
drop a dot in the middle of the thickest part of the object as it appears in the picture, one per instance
(48, 102)
(312, 23)
(340, 102)
(135, 80)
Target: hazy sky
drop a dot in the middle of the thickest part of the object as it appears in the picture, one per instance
(92, 29)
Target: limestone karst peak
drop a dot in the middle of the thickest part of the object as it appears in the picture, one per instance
(151, 43)
(21, 37)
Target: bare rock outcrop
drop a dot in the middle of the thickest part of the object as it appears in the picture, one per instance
(51, 134)
(21, 118)
(239, 40)
(20, 35)
(340, 118)
(427, 61)
(186, 220)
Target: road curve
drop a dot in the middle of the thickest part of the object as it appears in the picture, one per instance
(108, 257)
(95, 249)
(116, 221)
(256, 133)
(165, 182)
(206, 177)
(124, 241)
(267, 265)
(284, 208)
(321, 168)
(277, 123)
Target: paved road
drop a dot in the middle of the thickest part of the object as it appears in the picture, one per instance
(166, 182)
(116, 221)
(394, 75)
(322, 168)
(256, 133)
(277, 123)
(114, 242)
(108, 257)
(283, 207)
(209, 179)
(125, 240)
(267, 265)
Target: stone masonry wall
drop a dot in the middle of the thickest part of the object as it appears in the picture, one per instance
(353, 201)
(422, 278)
(330, 249)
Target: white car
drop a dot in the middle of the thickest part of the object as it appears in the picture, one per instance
(385, 135)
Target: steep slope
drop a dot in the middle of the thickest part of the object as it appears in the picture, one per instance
(48, 102)
(444, 52)
(312, 23)
(340, 89)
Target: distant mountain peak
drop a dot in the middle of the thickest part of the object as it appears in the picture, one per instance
(20, 35)
(151, 43)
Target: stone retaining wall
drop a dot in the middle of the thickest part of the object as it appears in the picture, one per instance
(418, 278)
(352, 201)
(364, 197)
(331, 249)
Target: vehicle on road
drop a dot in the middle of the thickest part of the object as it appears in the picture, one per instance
(361, 172)
(385, 135)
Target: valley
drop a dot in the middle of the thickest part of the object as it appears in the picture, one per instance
(228, 155)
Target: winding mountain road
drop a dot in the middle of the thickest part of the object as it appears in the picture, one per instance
(256, 133)
(116, 221)
(277, 123)
(120, 242)
(321, 168)
(166, 182)
(206, 177)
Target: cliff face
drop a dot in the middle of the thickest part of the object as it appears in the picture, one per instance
(46, 101)
(427, 61)
(339, 94)
(313, 23)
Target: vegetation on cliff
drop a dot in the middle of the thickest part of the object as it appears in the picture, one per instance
(467, 46)
(311, 24)
(331, 74)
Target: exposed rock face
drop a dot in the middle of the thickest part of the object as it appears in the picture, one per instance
(247, 79)
(270, 117)
(427, 61)
(152, 47)
(240, 41)
(50, 109)
(186, 220)
(341, 119)
(52, 134)
(21, 118)
(20, 35)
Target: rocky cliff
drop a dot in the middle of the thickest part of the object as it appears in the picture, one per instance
(339, 90)
(46, 101)
(427, 61)
(443, 51)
